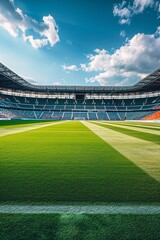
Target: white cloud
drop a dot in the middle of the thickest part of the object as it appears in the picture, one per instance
(17, 23)
(112, 77)
(140, 5)
(70, 68)
(57, 83)
(121, 11)
(122, 33)
(51, 33)
(36, 43)
(125, 10)
(132, 61)
(98, 62)
(125, 21)
(8, 26)
(157, 33)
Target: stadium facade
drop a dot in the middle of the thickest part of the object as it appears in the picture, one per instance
(22, 100)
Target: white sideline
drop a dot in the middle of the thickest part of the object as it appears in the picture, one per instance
(88, 209)
(26, 129)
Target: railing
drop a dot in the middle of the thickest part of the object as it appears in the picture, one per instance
(134, 95)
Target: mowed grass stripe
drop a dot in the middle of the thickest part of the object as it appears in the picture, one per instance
(148, 123)
(56, 164)
(152, 123)
(143, 126)
(142, 153)
(141, 123)
(133, 133)
(150, 131)
(24, 128)
(13, 123)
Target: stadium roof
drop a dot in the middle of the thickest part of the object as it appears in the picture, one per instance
(10, 80)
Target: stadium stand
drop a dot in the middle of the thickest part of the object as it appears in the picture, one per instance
(22, 100)
(153, 116)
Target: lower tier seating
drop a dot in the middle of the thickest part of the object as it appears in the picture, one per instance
(153, 116)
(113, 116)
(70, 109)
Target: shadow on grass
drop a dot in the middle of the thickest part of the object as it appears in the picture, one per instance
(79, 227)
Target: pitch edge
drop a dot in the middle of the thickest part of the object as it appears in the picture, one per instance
(100, 209)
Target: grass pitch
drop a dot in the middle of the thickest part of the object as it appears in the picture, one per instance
(67, 163)
(79, 227)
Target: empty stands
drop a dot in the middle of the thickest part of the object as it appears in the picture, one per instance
(153, 116)
(88, 109)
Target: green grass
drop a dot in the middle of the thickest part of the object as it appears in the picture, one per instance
(13, 123)
(133, 133)
(79, 227)
(144, 123)
(140, 126)
(69, 163)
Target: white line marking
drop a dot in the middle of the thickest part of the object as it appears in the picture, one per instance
(95, 209)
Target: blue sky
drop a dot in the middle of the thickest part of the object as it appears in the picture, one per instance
(83, 42)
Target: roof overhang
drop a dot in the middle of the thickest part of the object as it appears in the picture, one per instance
(10, 80)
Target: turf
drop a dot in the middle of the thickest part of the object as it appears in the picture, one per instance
(79, 227)
(138, 134)
(142, 129)
(141, 126)
(138, 151)
(13, 123)
(69, 163)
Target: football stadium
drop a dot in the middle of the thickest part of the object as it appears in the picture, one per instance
(71, 155)
(22, 100)
(79, 120)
